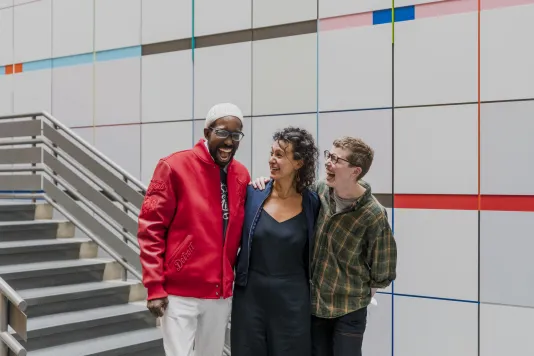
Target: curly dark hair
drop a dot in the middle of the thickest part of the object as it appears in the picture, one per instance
(305, 149)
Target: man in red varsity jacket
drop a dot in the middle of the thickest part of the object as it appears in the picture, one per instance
(189, 233)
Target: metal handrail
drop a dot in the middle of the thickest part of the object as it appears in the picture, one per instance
(119, 199)
(81, 198)
(93, 237)
(6, 291)
(78, 139)
(96, 152)
(12, 295)
(10, 300)
(114, 226)
(13, 344)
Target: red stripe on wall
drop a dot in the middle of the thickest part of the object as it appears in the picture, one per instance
(465, 202)
(508, 202)
(436, 201)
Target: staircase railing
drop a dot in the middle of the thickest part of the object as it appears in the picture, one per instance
(41, 159)
(12, 308)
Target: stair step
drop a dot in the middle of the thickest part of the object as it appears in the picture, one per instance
(35, 229)
(57, 299)
(25, 211)
(40, 244)
(29, 251)
(55, 273)
(56, 329)
(126, 343)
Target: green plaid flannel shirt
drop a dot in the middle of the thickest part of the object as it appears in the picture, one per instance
(354, 251)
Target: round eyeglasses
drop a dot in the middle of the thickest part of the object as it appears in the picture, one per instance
(236, 136)
(333, 158)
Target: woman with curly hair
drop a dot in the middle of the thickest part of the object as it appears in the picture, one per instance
(271, 303)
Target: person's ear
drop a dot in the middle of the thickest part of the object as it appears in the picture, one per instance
(357, 171)
(206, 133)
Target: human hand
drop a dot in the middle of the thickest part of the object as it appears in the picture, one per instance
(157, 306)
(259, 183)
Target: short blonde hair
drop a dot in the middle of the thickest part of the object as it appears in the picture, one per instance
(360, 154)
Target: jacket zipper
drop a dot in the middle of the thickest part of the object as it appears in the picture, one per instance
(225, 233)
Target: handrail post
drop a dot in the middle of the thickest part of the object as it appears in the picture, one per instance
(4, 315)
(55, 154)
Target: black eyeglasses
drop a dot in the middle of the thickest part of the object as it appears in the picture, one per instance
(333, 158)
(236, 136)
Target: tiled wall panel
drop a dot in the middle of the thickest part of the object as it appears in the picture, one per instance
(110, 35)
(505, 330)
(121, 144)
(73, 94)
(6, 36)
(6, 94)
(506, 63)
(284, 75)
(73, 27)
(32, 91)
(223, 74)
(117, 91)
(5, 3)
(436, 150)
(507, 148)
(436, 60)
(430, 238)
(208, 15)
(421, 323)
(167, 87)
(166, 20)
(32, 33)
(328, 8)
(278, 12)
(455, 176)
(355, 68)
(506, 243)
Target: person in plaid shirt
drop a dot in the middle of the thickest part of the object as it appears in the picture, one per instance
(354, 254)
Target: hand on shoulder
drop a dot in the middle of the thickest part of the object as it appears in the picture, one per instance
(259, 183)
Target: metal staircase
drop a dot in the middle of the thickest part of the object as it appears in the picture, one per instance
(69, 258)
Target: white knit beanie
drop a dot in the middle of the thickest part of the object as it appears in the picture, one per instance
(222, 110)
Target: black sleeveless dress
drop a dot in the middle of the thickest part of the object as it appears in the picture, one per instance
(271, 314)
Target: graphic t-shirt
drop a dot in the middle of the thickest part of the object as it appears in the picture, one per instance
(224, 201)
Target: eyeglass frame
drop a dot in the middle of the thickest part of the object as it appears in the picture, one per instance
(328, 156)
(227, 133)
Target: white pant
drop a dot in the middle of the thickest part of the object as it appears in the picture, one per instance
(198, 322)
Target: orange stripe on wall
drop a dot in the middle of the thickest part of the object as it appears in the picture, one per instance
(465, 202)
(13, 68)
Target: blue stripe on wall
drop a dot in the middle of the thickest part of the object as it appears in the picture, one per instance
(2, 70)
(68, 61)
(120, 53)
(406, 13)
(37, 65)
